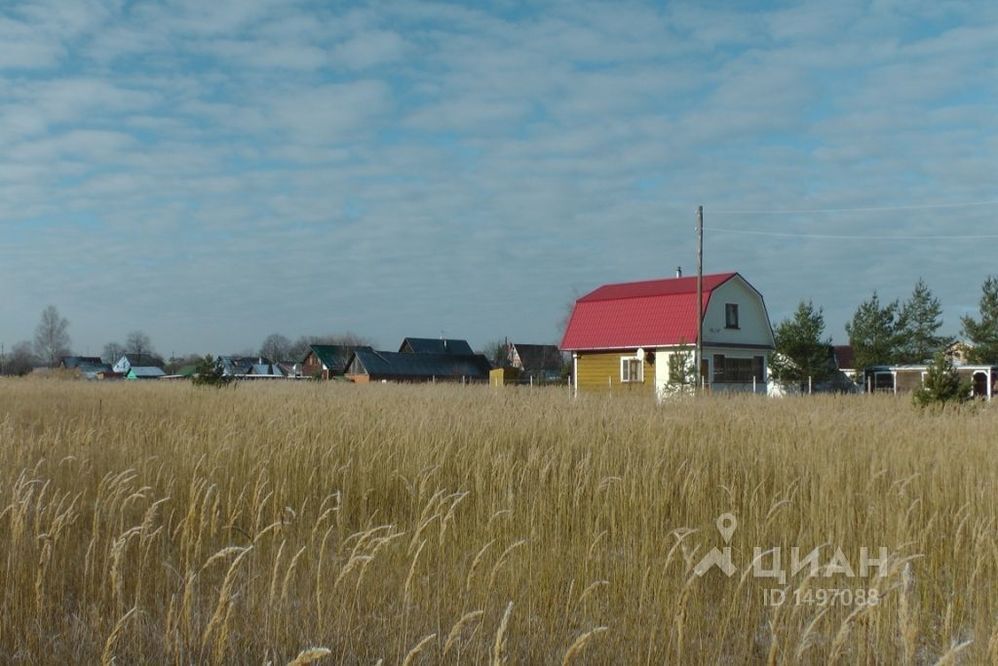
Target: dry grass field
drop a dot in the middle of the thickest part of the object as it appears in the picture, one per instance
(162, 523)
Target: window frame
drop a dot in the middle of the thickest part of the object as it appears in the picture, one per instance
(731, 322)
(738, 369)
(625, 363)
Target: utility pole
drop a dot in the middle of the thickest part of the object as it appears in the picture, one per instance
(699, 353)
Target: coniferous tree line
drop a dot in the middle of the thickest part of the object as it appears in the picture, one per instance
(908, 332)
(883, 333)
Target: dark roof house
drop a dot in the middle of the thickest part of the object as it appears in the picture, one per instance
(844, 358)
(88, 367)
(531, 358)
(72, 362)
(328, 361)
(435, 346)
(369, 365)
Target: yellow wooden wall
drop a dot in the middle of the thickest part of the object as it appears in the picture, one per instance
(595, 367)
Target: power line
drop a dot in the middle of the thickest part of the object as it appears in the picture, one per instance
(868, 209)
(784, 234)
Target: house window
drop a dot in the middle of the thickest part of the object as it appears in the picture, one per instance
(738, 370)
(631, 370)
(731, 315)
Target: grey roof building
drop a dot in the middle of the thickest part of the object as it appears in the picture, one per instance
(72, 362)
(368, 365)
(145, 372)
(435, 346)
(88, 367)
(249, 367)
(128, 361)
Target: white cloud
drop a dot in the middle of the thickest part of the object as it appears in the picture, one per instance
(369, 49)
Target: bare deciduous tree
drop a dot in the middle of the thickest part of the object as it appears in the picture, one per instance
(52, 336)
(113, 351)
(20, 360)
(139, 343)
(276, 347)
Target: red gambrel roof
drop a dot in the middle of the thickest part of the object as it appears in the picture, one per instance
(639, 314)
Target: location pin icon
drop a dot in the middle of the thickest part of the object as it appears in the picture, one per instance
(726, 525)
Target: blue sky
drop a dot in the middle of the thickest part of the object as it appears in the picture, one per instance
(214, 172)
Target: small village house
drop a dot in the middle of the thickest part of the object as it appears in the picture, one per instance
(87, 367)
(250, 367)
(328, 361)
(373, 366)
(542, 363)
(142, 372)
(983, 379)
(420, 360)
(435, 346)
(845, 361)
(959, 351)
(623, 337)
(128, 361)
(523, 363)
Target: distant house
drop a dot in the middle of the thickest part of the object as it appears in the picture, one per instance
(540, 363)
(289, 369)
(842, 377)
(959, 351)
(144, 372)
(73, 362)
(128, 361)
(845, 360)
(371, 366)
(184, 372)
(908, 378)
(250, 367)
(435, 346)
(625, 337)
(88, 367)
(328, 361)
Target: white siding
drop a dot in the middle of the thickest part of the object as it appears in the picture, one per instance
(753, 321)
(122, 366)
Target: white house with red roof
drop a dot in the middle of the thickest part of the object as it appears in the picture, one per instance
(623, 337)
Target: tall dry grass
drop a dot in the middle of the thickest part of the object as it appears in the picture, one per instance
(160, 523)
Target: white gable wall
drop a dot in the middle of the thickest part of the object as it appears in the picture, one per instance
(753, 321)
(753, 336)
(122, 366)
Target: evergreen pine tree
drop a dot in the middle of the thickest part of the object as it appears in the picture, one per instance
(942, 384)
(918, 323)
(873, 333)
(801, 352)
(983, 333)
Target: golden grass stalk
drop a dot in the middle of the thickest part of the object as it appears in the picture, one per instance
(499, 644)
(309, 655)
(949, 657)
(107, 657)
(458, 628)
(579, 644)
(411, 655)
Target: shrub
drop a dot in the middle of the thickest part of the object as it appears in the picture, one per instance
(942, 384)
(209, 373)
